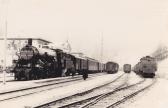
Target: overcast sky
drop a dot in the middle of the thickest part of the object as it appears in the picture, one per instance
(130, 28)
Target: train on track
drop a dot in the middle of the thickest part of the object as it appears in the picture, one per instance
(146, 67)
(40, 63)
(112, 67)
(127, 68)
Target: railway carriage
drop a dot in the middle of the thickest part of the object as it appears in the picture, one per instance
(77, 65)
(127, 68)
(112, 67)
(93, 65)
(81, 65)
(101, 67)
(86, 64)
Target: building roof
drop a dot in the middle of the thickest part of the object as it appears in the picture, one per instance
(27, 39)
(92, 59)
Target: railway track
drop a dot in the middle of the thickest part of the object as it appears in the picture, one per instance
(65, 78)
(44, 86)
(40, 81)
(48, 82)
(115, 97)
(131, 95)
(85, 96)
(88, 102)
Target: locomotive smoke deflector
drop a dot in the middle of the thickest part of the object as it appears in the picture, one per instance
(30, 41)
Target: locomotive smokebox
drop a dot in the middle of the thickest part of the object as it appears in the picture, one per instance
(30, 41)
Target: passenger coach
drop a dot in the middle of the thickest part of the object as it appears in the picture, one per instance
(112, 67)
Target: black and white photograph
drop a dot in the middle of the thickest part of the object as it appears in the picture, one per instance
(83, 53)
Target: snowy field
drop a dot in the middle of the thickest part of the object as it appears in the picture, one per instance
(157, 96)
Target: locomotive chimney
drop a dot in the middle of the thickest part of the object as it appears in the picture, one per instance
(30, 41)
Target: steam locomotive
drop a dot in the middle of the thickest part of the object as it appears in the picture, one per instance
(146, 67)
(40, 63)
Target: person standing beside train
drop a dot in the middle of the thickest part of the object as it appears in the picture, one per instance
(85, 75)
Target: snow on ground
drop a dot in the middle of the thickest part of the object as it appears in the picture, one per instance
(163, 69)
(58, 93)
(157, 95)
(133, 78)
(15, 85)
(9, 86)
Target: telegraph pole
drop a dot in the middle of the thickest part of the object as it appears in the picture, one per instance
(5, 40)
(101, 51)
(5, 46)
